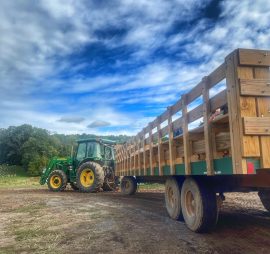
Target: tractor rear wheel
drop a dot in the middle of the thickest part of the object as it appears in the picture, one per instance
(57, 180)
(128, 185)
(90, 177)
(264, 195)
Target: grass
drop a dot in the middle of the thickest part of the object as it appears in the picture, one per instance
(151, 186)
(16, 177)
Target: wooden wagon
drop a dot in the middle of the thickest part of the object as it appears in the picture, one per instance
(214, 139)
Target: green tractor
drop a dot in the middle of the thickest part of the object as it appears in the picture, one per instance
(89, 170)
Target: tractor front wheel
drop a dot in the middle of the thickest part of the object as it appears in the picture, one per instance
(57, 180)
(90, 177)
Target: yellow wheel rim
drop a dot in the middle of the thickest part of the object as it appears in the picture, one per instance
(55, 181)
(87, 177)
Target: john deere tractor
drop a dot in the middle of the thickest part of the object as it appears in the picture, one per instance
(90, 169)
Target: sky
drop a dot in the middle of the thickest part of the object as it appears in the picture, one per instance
(110, 67)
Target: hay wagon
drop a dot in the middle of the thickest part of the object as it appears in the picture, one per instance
(214, 139)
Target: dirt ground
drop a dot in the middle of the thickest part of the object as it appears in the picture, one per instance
(39, 221)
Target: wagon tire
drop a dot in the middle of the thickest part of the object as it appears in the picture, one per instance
(199, 206)
(173, 198)
(128, 185)
(265, 198)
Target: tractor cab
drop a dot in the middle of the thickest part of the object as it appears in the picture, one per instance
(100, 150)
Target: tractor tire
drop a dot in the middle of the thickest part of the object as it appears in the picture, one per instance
(128, 185)
(264, 195)
(173, 198)
(90, 177)
(57, 180)
(74, 186)
(199, 206)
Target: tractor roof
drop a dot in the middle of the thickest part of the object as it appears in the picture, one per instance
(104, 141)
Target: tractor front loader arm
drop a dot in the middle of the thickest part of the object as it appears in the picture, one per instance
(46, 172)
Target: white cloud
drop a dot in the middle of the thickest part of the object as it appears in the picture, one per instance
(38, 38)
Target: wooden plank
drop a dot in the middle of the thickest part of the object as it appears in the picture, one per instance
(151, 149)
(198, 146)
(194, 93)
(176, 107)
(251, 144)
(234, 113)
(177, 124)
(218, 100)
(257, 125)
(172, 151)
(195, 114)
(163, 117)
(186, 142)
(217, 75)
(164, 131)
(263, 106)
(254, 57)
(207, 129)
(139, 156)
(144, 155)
(255, 87)
(160, 154)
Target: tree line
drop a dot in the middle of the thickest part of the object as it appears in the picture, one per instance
(33, 147)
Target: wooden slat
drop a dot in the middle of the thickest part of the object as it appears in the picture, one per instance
(164, 131)
(198, 146)
(194, 93)
(263, 106)
(216, 76)
(257, 125)
(164, 116)
(177, 124)
(255, 87)
(254, 57)
(160, 154)
(207, 129)
(186, 142)
(176, 107)
(171, 145)
(223, 141)
(151, 150)
(251, 144)
(144, 156)
(234, 112)
(195, 114)
(218, 100)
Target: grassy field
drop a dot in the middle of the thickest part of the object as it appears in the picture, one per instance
(16, 177)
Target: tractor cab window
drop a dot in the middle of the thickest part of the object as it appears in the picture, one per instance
(91, 149)
(108, 153)
(81, 151)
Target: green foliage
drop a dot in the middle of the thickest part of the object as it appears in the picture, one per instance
(33, 147)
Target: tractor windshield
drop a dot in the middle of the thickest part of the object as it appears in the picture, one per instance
(91, 149)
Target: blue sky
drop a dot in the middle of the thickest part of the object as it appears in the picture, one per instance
(110, 67)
